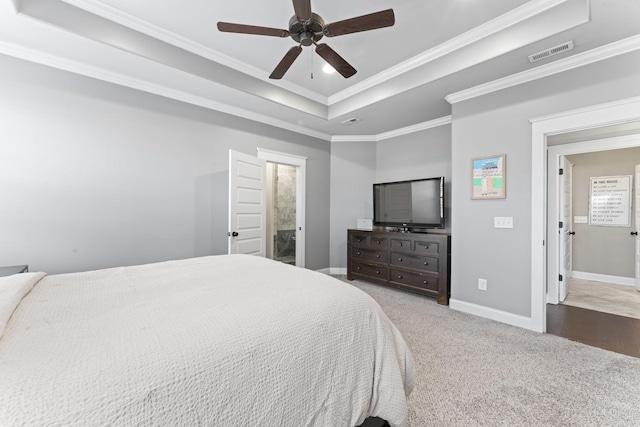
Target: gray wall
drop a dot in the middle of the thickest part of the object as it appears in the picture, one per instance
(499, 123)
(591, 245)
(352, 174)
(423, 154)
(96, 175)
(356, 166)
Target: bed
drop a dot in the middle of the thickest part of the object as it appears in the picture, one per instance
(229, 340)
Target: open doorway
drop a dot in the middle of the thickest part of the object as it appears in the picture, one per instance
(598, 277)
(281, 213)
(286, 201)
(596, 118)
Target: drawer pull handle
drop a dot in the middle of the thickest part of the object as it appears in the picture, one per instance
(358, 253)
(426, 263)
(426, 282)
(378, 242)
(377, 271)
(358, 268)
(377, 255)
(400, 244)
(400, 259)
(399, 277)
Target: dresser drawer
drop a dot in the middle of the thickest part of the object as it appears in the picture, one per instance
(414, 261)
(359, 240)
(371, 270)
(425, 247)
(402, 245)
(420, 280)
(378, 242)
(370, 255)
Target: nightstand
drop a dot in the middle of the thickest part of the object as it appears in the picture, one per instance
(15, 269)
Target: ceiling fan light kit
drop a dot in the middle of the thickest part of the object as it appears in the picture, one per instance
(307, 28)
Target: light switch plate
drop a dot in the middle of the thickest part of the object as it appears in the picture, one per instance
(580, 219)
(503, 222)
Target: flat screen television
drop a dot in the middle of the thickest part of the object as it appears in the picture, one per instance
(417, 203)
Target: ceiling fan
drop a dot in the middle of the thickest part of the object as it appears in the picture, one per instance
(307, 28)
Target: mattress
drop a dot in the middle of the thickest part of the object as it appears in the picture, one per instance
(229, 340)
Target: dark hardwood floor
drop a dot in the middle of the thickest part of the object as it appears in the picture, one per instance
(609, 331)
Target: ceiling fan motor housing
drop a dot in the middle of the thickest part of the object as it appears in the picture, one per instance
(306, 33)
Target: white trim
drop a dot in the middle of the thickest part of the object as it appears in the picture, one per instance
(442, 121)
(605, 278)
(490, 313)
(354, 138)
(326, 271)
(282, 158)
(126, 81)
(300, 163)
(578, 60)
(487, 29)
(338, 271)
(617, 112)
(583, 110)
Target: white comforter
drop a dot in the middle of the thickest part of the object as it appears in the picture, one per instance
(227, 340)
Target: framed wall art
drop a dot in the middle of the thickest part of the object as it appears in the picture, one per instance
(488, 177)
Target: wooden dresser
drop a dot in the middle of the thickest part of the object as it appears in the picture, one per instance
(417, 262)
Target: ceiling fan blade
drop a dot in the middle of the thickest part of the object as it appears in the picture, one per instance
(286, 62)
(302, 9)
(228, 27)
(372, 21)
(335, 60)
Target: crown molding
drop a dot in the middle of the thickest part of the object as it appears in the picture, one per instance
(122, 80)
(353, 138)
(442, 121)
(122, 18)
(489, 28)
(578, 60)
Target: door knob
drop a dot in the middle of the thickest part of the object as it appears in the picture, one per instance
(634, 233)
(572, 233)
(234, 234)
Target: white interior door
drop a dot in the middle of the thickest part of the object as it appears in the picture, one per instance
(247, 204)
(565, 232)
(637, 226)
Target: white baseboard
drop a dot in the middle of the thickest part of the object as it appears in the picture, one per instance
(338, 271)
(618, 280)
(490, 313)
(325, 271)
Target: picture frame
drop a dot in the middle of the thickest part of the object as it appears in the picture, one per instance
(488, 177)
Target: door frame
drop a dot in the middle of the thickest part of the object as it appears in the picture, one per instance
(618, 112)
(300, 163)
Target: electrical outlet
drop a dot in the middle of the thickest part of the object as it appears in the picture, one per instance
(482, 284)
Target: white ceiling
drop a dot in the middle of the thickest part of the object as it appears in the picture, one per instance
(436, 48)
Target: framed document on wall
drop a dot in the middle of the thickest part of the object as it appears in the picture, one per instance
(488, 177)
(610, 201)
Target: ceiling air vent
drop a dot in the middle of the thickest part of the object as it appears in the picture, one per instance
(350, 121)
(564, 47)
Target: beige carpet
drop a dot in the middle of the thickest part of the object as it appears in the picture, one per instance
(476, 372)
(606, 297)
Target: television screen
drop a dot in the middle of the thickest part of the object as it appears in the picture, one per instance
(416, 203)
